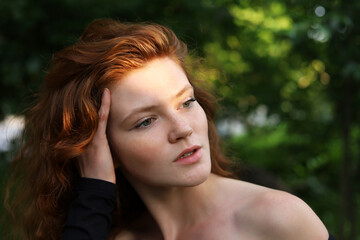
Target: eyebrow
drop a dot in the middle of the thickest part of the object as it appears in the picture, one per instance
(186, 88)
(152, 107)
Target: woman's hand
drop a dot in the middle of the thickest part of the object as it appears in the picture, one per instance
(96, 161)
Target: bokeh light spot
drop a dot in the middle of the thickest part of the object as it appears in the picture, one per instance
(320, 11)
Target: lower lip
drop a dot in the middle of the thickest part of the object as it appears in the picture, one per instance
(195, 157)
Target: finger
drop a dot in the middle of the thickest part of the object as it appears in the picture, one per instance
(104, 110)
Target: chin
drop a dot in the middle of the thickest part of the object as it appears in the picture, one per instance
(199, 176)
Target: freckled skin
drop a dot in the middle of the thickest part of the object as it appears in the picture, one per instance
(147, 153)
(147, 143)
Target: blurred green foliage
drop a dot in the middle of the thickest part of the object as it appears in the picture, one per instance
(288, 72)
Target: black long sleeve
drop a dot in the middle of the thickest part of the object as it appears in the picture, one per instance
(89, 215)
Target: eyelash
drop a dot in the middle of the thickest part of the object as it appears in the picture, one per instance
(190, 101)
(141, 125)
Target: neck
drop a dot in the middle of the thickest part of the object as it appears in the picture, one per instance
(177, 209)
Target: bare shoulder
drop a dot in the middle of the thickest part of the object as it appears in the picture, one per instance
(286, 216)
(276, 214)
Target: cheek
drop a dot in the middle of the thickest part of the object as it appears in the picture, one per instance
(201, 122)
(136, 150)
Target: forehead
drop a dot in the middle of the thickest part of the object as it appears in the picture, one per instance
(155, 75)
(158, 80)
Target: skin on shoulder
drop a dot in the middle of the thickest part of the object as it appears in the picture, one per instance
(272, 214)
(253, 212)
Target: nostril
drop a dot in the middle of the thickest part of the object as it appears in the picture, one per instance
(180, 132)
(185, 134)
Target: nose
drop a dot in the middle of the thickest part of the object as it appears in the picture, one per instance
(179, 129)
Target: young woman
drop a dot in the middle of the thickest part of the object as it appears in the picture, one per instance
(122, 98)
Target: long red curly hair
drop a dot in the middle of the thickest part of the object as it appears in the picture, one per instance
(64, 119)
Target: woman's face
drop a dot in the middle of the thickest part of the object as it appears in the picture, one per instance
(157, 130)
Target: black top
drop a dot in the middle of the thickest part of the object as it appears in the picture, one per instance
(89, 215)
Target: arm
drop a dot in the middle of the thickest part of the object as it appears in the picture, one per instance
(96, 162)
(89, 216)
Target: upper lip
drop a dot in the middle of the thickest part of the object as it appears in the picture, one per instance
(190, 149)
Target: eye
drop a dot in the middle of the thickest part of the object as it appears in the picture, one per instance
(146, 123)
(188, 103)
